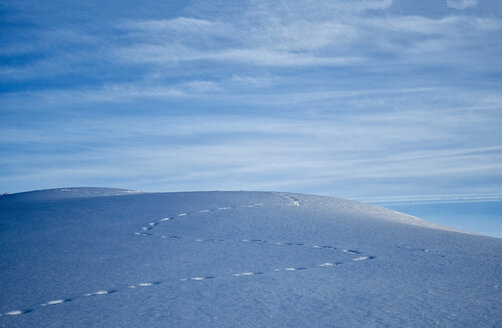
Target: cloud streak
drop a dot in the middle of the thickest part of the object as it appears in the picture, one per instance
(433, 199)
(461, 4)
(349, 39)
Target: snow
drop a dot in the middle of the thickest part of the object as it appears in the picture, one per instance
(227, 259)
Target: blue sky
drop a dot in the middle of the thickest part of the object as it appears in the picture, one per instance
(393, 102)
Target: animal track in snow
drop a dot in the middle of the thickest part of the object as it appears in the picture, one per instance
(351, 251)
(101, 292)
(362, 258)
(148, 231)
(145, 284)
(294, 201)
(57, 302)
(17, 312)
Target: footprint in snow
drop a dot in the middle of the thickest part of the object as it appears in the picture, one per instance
(352, 251)
(362, 258)
(57, 302)
(17, 312)
(101, 292)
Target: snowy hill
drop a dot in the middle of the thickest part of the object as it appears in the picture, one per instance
(97, 257)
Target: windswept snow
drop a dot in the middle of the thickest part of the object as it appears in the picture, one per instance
(226, 259)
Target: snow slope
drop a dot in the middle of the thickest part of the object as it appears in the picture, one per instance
(96, 257)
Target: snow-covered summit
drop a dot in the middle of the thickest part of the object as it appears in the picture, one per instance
(70, 192)
(79, 257)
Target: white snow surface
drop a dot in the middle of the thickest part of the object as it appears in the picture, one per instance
(99, 257)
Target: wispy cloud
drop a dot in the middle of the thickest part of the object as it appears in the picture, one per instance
(461, 4)
(170, 55)
(433, 199)
(350, 38)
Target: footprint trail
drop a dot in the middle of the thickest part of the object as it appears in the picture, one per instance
(148, 230)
